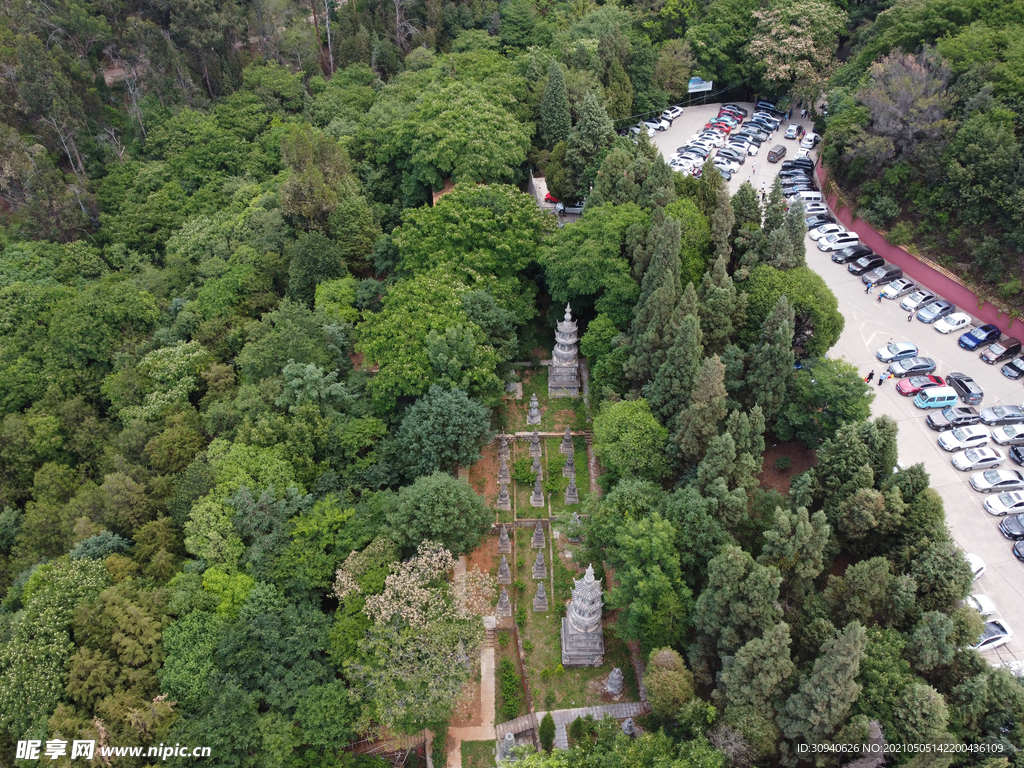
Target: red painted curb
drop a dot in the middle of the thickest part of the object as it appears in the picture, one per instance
(919, 271)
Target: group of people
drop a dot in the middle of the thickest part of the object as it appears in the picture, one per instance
(881, 378)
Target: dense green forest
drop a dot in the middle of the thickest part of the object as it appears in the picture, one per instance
(924, 133)
(241, 356)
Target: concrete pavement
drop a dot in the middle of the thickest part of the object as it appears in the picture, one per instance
(870, 325)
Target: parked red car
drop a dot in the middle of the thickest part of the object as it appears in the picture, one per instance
(911, 386)
(549, 198)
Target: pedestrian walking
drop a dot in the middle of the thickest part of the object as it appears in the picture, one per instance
(753, 169)
(883, 377)
(910, 317)
(879, 297)
(869, 377)
(868, 287)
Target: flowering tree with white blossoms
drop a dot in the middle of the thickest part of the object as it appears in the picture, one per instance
(415, 657)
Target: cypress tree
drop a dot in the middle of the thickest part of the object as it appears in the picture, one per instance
(718, 305)
(771, 364)
(696, 425)
(659, 187)
(722, 219)
(669, 392)
(616, 181)
(779, 250)
(795, 544)
(746, 208)
(775, 211)
(842, 462)
(815, 712)
(555, 121)
(619, 92)
(747, 429)
(707, 188)
(588, 140)
(795, 226)
(759, 672)
(659, 294)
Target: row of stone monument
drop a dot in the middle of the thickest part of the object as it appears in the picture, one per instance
(537, 497)
(540, 571)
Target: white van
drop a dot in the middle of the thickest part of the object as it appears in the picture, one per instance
(936, 397)
(808, 196)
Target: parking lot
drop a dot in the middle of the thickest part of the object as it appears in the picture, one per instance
(869, 326)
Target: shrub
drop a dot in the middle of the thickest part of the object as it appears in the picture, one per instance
(901, 234)
(522, 472)
(783, 463)
(521, 617)
(503, 638)
(549, 699)
(519, 585)
(509, 683)
(545, 675)
(527, 645)
(547, 732)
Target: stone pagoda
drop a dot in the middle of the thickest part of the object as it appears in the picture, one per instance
(535, 467)
(615, 682)
(504, 542)
(540, 602)
(572, 495)
(533, 414)
(537, 497)
(535, 444)
(504, 609)
(564, 376)
(582, 634)
(503, 450)
(540, 566)
(567, 447)
(504, 500)
(538, 541)
(504, 476)
(504, 572)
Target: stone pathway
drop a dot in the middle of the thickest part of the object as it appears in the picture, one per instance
(564, 717)
(484, 731)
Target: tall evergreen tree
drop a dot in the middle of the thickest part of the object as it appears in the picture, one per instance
(618, 94)
(707, 188)
(747, 430)
(759, 672)
(721, 308)
(616, 180)
(815, 712)
(775, 211)
(696, 425)
(795, 544)
(778, 251)
(739, 603)
(555, 120)
(659, 187)
(746, 208)
(588, 140)
(722, 220)
(843, 462)
(795, 226)
(669, 392)
(771, 363)
(659, 294)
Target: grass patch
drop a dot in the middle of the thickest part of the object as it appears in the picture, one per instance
(554, 472)
(510, 652)
(550, 688)
(523, 491)
(511, 414)
(478, 754)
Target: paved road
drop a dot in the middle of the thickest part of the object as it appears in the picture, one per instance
(870, 325)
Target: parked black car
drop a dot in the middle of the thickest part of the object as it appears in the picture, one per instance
(1014, 369)
(1001, 350)
(818, 219)
(866, 264)
(851, 253)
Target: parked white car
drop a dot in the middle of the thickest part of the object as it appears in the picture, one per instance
(978, 458)
(955, 322)
(1009, 503)
(672, 112)
(976, 564)
(961, 438)
(995, 635)
(981, 603)
(825, 229)
(837, 241)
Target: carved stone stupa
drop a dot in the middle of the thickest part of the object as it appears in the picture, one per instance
(540, 602)
(564, 376)
(504, 476)
(582, 634)
(538, 541)
(504, 572)
(566, 447)
(572, 495)
(615, 682)
(535, 444)
(533, 415)
(504, 605)
(540, 566)
(537, 497)
(504, 500)
(504, 542)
